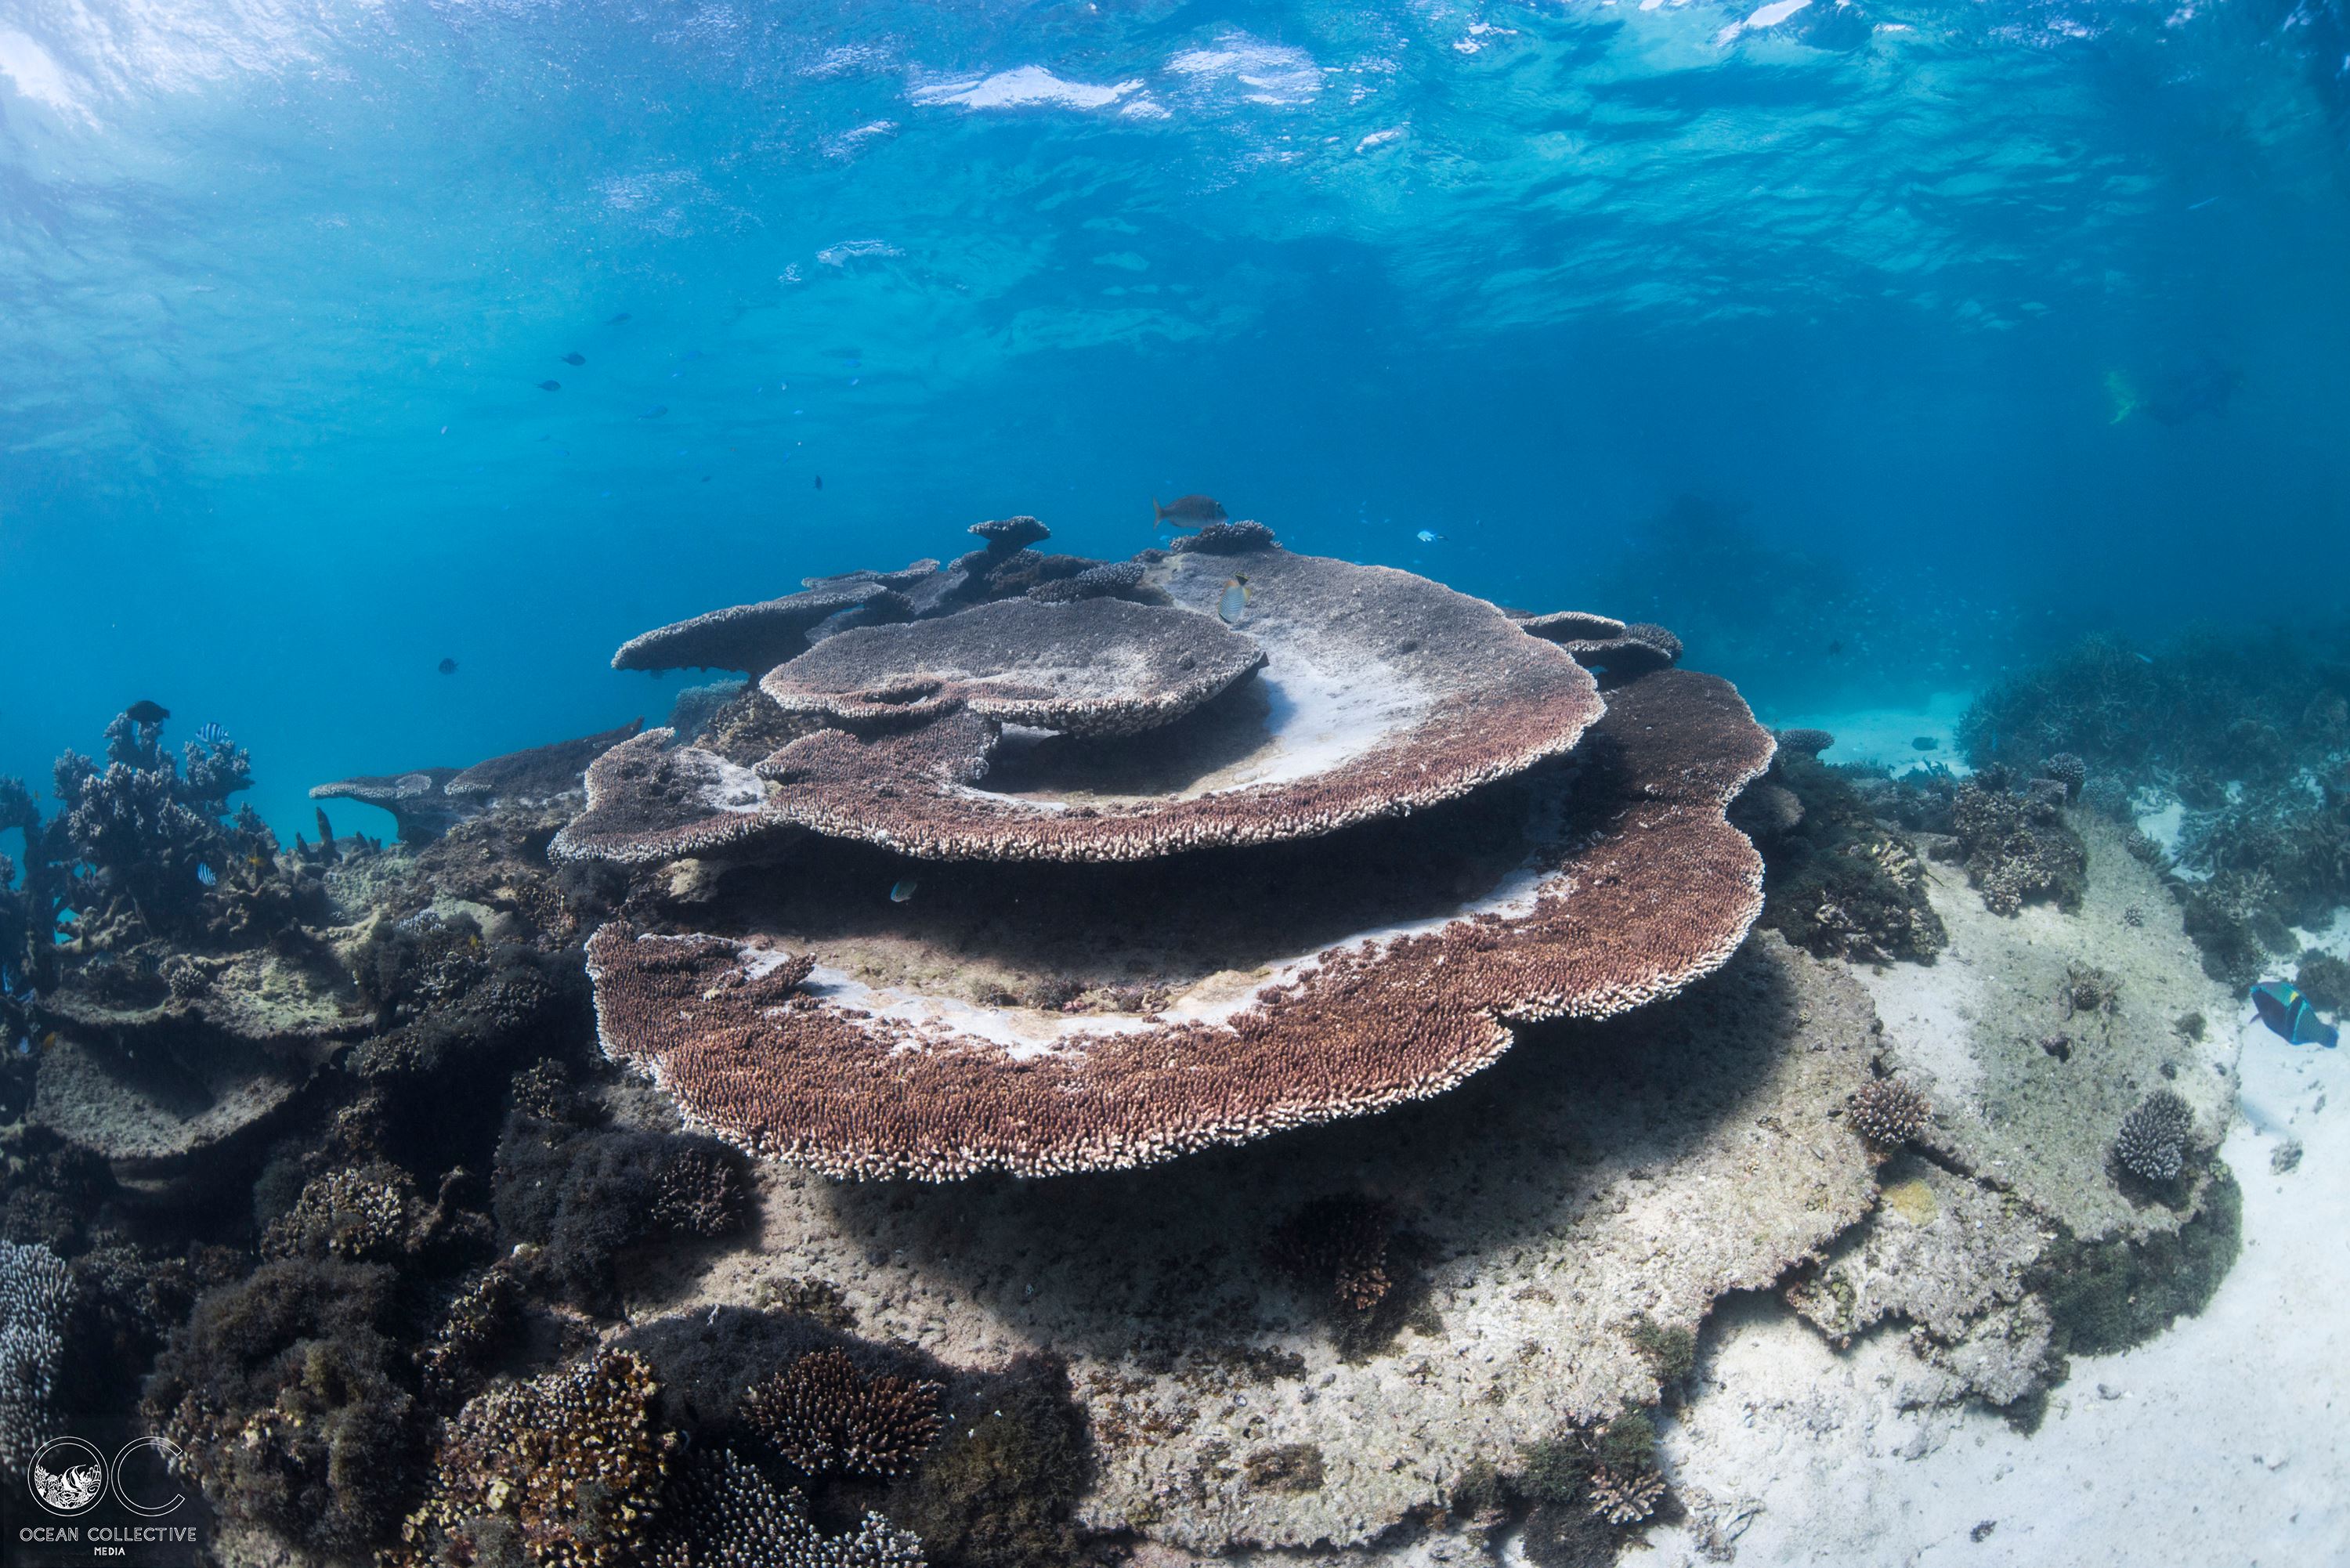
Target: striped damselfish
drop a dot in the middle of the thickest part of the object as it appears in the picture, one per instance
(2283, 1009)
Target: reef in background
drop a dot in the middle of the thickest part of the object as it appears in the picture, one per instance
(2227, 755)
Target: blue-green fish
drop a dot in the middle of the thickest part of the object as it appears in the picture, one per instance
(2283, 1009)
(902, 890)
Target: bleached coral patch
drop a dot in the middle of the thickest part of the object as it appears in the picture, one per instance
(1027, 87)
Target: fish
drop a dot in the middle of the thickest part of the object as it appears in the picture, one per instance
(211, 735)
(574, 358)
(615, 320)
(820, 482)
(1925, 743)
(1186, 512)
(204, 875)
(2174, 394)
(656, 411)
(2284, 1010)
(146, 713)
(447, 667)
(1429, 536)
(550, 385)
(1835, 648)
(1233, 602)
(902, 890)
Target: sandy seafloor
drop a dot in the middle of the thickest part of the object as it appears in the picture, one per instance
(2225, 1440)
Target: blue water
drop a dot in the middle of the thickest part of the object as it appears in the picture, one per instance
(1847, 285)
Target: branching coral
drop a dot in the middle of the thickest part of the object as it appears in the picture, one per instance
(822, 1414)
(37, 1296)
(2153, 1139)
(722, 1512)
(1889, 1112)
(562, 1471)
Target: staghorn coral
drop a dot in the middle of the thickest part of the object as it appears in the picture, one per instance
(36, 1299)
(722, 1512)
(822, 1414)
(565, 1470)
(2153, 1138)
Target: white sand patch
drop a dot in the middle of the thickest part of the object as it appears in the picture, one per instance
(1887, 737)
(2219, 1442)
(1930, 1013)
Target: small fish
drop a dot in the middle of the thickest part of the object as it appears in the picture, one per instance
(574, 358)
(1233, 602)
(49, 1040)
(447, 667)
(211, 735)
(2143, 658)
(204, 875)
(550, 385)
(1186, 512)
(146, 713)
(1925, 743)
(2284, 1010)
(618, 319)
(820, 482)
(656, 411)
(902, 890)
(1835, 648)
(1429, 536)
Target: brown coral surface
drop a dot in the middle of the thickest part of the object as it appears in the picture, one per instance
(1384, 693)
(1639, 886)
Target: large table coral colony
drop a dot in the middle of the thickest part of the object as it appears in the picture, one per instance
(1039, 864)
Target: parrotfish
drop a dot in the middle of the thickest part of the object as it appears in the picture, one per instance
(1233, 604)
(1186, 512)
(550, 385)
(574, 358)
(2283, 1009)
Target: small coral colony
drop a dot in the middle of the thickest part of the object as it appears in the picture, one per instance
(396, 1187)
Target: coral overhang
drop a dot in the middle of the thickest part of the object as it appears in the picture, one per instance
(1643, 886)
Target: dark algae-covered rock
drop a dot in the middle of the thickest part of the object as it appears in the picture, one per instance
(1836, 881)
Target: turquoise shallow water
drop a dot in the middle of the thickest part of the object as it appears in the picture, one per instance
(1869, 282)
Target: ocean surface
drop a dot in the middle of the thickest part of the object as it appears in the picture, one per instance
(1871, 346)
